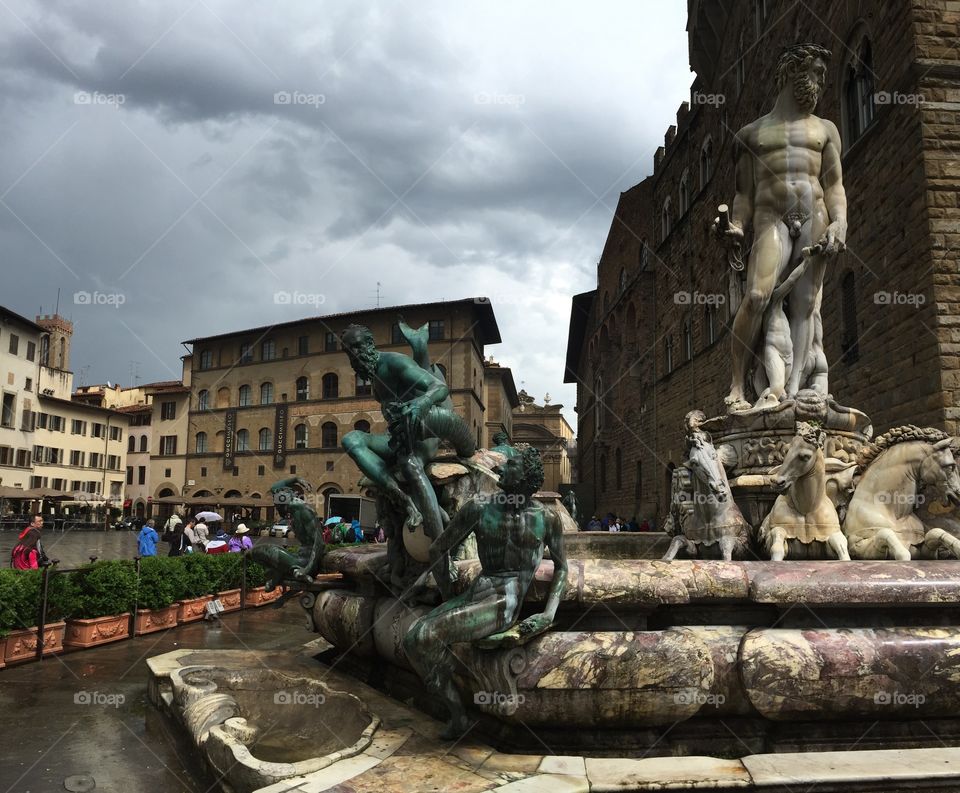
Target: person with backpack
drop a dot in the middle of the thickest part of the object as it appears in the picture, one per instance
(28, 553)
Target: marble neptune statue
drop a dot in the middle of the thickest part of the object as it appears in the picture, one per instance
(789, 190)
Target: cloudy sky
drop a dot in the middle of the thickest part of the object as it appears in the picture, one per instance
(183, 161)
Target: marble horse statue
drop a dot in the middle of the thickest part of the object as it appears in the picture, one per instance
(803, 522)
(881, 522)
(715, 518)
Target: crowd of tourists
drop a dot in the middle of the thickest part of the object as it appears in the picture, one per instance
(614, 523)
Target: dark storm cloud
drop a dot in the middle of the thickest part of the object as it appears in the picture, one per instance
(442, 149)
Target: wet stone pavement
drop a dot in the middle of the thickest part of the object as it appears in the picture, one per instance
(85, 714)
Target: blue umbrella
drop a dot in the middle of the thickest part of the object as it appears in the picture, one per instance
(328, 521)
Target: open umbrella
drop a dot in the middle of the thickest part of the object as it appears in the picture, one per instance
(208, 517)
(328, 521)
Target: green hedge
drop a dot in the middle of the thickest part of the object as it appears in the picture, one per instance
(112, 587)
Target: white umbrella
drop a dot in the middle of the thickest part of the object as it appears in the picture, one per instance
(208, 517)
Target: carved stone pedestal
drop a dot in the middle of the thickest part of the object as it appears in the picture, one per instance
(752, 443)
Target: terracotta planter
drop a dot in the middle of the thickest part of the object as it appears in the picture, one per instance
(258, 596)
(21, 645)
(156, 620)
(99, 630)
(3, 650)
(230, 600)
(192, 610)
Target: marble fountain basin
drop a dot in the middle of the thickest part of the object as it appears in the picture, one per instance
(257, 726)
(794, 652)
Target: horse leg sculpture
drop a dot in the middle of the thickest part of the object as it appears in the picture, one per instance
(777, 544)
(882, 544)
(837, 545)
(727, 544)
(935, 539)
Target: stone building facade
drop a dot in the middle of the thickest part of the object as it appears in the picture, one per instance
(651, 342)
(544, 427)
(499, 398)
(272, 402)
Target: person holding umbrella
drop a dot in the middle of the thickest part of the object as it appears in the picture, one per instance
(201, 530)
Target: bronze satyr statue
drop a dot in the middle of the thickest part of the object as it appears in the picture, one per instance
(512, 530)
(281, 564)
(415, 402)
(789, 188)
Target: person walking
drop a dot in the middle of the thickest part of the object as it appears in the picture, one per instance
(190, 532)
(147, 539)
(240, 542)
(179, 544)
(203, 536)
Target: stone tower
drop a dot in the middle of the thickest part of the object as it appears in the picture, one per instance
(55, 348)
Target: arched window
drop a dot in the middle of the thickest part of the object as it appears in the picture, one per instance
(266, 439)
(243, 441)
(328, 435)
(223, 397)
(201, 443)
(858, 92)
(850, 340)
(362, 425)
(603, 473)
(266, 394)
(710, 323)
(684, 192)
(666, 219)
(303, 389)
(203, 400)
(131, 444)
(362, 386)
(331, 386)
(706, 162)
(144, 443)
(622, 284)
(644, 255)
(618, 468)
(300, 436)
(668, 354)
(245, 395)
(687, 341)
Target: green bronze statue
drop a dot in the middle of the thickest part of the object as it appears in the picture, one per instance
(501, 443)
(415, 402)
(281, 564)
(512, 530)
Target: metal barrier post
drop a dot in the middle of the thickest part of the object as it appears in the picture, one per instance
(42, 616)
(243, 581)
